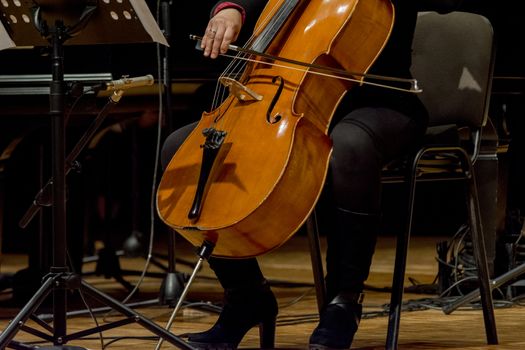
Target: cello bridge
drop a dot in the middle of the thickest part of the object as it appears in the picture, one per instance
(241, 92)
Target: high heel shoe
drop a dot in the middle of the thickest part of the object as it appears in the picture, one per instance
(338, 323)
(243, 309)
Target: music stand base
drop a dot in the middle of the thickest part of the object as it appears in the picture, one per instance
(72, 281)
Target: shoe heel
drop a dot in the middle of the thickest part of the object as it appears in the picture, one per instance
(267, 333)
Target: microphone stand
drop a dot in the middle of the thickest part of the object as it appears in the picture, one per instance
(173, 284)
(165, 25)
(44, 196)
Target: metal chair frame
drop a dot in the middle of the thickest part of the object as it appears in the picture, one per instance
(410, 175)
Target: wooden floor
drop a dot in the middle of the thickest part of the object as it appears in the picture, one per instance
(288, 268)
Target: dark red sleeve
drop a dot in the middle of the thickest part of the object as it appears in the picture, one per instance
(228, 4)
(250, 9)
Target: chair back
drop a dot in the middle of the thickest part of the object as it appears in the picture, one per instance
(452, 60)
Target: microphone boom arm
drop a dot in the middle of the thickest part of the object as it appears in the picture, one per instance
(44, 195)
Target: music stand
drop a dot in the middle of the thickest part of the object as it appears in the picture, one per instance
(79, 22)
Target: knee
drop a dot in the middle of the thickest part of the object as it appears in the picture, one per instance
(173, 143)
(170, 146)
(353, 147)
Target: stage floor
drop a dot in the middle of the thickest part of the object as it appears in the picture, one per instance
(289, 270)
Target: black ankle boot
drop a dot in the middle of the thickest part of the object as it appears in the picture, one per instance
(338, 323)
(242, 310)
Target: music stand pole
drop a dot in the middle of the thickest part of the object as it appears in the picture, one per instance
(56, 112)
(55, 283)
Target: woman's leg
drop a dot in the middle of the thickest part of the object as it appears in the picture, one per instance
(248, 300)
(364, 141)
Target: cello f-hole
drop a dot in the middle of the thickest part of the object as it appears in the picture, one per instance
(276, 117)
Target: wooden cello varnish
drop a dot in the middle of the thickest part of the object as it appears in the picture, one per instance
(268, 175)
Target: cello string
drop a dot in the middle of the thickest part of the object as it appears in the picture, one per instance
(238, 65)
(239, 62)
(234, 67)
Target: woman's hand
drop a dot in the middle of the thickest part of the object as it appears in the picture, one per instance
(222, 30)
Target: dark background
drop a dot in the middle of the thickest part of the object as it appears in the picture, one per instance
(118, 168)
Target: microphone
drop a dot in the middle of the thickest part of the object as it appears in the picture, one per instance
(128, 83)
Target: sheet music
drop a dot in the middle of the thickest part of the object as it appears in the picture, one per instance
(120, 21)
(5, 39)
(149, 23)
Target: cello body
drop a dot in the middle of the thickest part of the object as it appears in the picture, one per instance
(270, 169)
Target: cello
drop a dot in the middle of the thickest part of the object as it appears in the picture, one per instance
(250, 173)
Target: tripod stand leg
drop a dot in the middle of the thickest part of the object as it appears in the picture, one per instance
(9, 333)
(143, 321)
(495, 283)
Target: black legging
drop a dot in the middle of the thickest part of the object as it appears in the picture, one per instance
(363, 141)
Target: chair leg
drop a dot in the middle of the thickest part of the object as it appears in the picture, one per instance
(398, 280)
(317, 261)
(396, 298)
(480, 255)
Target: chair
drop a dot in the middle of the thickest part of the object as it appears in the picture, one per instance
(452, 61)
